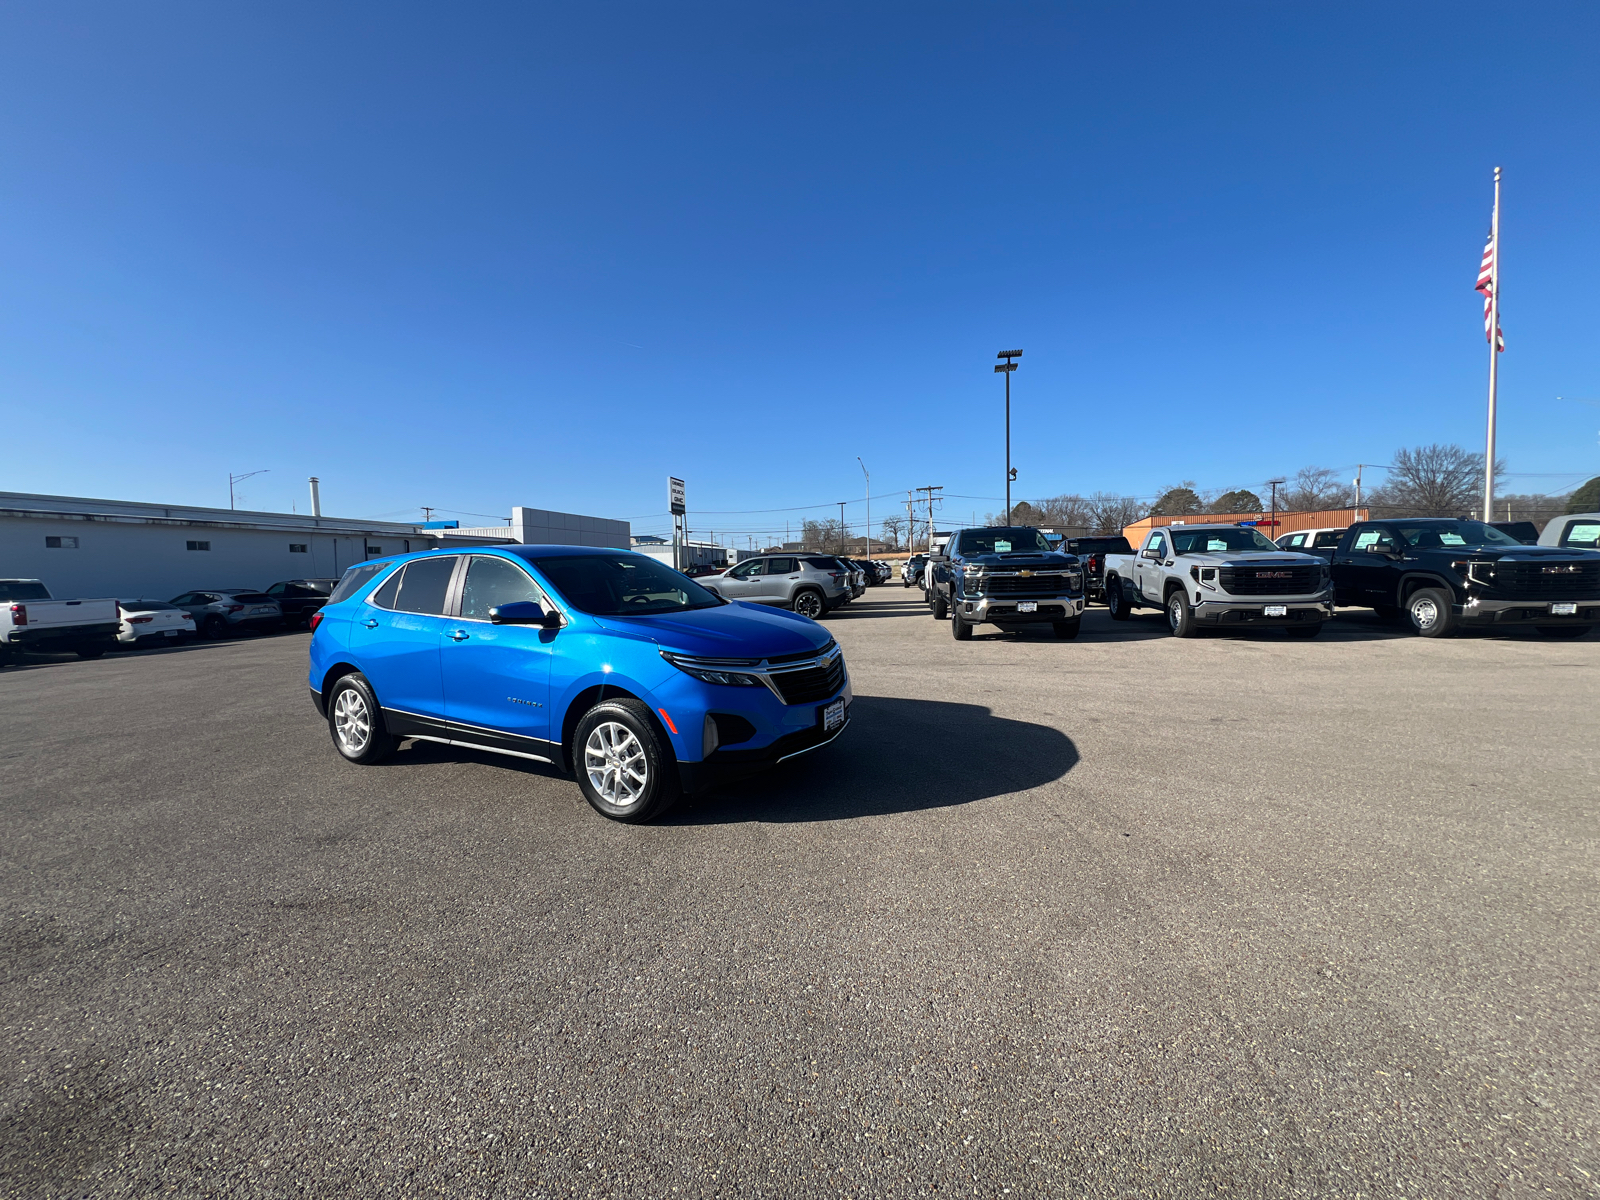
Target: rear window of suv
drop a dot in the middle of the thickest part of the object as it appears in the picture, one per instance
(351, 581)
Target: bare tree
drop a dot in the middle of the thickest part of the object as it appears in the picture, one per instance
(1068, 509)
(891, 531)
(1317, 488)
(1110, 514)
(1432, 481)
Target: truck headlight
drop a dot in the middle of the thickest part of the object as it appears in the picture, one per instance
(1074, 580)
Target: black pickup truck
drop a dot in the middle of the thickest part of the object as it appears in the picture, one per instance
(1091, 552)
(1006, 576)
(1446, 574)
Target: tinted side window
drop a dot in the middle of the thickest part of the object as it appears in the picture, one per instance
(492, 582)
(781, 566)
(424, 585)
(354, 579)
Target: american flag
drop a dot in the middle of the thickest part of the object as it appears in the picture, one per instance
(1488, 280)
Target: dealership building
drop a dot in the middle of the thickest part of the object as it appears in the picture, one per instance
(82, 547)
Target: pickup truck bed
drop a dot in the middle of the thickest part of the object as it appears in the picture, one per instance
(30, 619)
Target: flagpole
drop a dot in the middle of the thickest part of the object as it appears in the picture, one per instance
(1494, 351)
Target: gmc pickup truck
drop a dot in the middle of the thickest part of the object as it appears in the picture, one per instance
(1215, 575)
(1446, 573)
(1091, 552)
(1006, 576)
(31, 620)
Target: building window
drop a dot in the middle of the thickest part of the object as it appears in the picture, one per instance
(61, 543)
(297, 548)
(199, 545)
(374, 549)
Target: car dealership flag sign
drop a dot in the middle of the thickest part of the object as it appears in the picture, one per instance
(1489, 285)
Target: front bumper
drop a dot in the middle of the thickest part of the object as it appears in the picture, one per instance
(1254, 610)
(1478, 610)
(1004, 608)
(732, 764)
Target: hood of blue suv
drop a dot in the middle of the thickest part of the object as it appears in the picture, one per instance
(736, 630)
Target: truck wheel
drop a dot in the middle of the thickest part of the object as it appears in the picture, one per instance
(941, 606)
(89, 651)
(5, 654)
(1430, 614)
(625, 769)
(214, 629)
(356, 722)
(1116, 602)
(959, 629)
(1563, 631)
(808, 603)
(1180, 617)
(1309, 630)
(1067, 630)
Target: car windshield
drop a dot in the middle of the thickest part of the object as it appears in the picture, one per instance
(1209, 541)
(622, 585)
(12, 592)
(1004, 541)
(1455, 533)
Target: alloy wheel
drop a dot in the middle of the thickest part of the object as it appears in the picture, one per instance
(808, 605)
(616, 764)
(352, 721)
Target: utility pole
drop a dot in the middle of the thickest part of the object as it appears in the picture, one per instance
(233, 479)
(427, 513)
(911, 526)
(868, 474)
(1275, 483)
(1005, 368)
(841, 526)
(930, 490)
(1359, 468)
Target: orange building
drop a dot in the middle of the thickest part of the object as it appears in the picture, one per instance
(1288, 522)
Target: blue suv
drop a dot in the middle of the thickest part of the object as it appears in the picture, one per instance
(602, 662)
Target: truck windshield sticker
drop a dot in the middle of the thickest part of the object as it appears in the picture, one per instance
(1581, 535)
(1365, 539)
(1002, 547)
(1216, 544)
(1452, 539)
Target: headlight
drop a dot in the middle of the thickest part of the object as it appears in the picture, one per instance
(1074, 580)
(970, 569)
(713, 670)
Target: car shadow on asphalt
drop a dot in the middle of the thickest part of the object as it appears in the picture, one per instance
(977, 756)
(35, 660)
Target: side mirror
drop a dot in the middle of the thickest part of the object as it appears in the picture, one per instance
(1152, 552)
(524, 612)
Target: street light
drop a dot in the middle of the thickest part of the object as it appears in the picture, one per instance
(868, 474)
(233, 479)
(841, 526)
(1005, 368)
(1274, 484)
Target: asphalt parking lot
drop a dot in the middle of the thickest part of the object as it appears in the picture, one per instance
(1122, 916)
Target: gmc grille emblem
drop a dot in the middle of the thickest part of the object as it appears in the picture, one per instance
(1571, 569)
(1274, 574)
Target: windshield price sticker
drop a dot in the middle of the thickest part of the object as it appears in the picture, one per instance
(1002, 547)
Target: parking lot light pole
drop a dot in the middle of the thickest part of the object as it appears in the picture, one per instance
(1005, 368)
(233, 479)
(868, 474)
(1274, 484)
(841, 526)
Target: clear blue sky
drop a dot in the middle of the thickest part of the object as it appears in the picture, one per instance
(477, 256)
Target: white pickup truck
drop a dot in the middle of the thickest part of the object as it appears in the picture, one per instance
(31, 620)
(1215, 575)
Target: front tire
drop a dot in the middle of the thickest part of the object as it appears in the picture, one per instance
(1429, 611)
(626, 769)
(1116, 602)
(89, 651)
(1180, 617)
(941, 606)
(355, 721)
(809, 603)
(1067, 630)
(959, 629)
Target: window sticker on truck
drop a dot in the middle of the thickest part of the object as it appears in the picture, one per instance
(1002, 547)
(1452, 539)
(1216, 544)
(1365, 539)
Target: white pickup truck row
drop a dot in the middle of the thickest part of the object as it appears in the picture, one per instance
(31, 620)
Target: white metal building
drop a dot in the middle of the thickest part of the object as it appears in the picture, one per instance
(84, 547)
(541, 527)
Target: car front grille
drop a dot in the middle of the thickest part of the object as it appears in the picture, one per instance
(809, 684)
(1269, 580)
(1544, 580)
(1053, 583)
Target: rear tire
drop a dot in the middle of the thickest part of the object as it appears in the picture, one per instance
(1309, 630)
(1116, 602)
(355, 721)
(1563, 631)
(959, 629)
(941, 606)
(214, 629)
(626, 769)
(808, 602)
(89, 651)
(1429, 611)
(1067, 630)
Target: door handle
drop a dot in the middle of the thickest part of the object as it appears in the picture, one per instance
(459, 635)
(370, 624)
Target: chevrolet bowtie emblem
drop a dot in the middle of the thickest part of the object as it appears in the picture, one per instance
(1025, 574)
